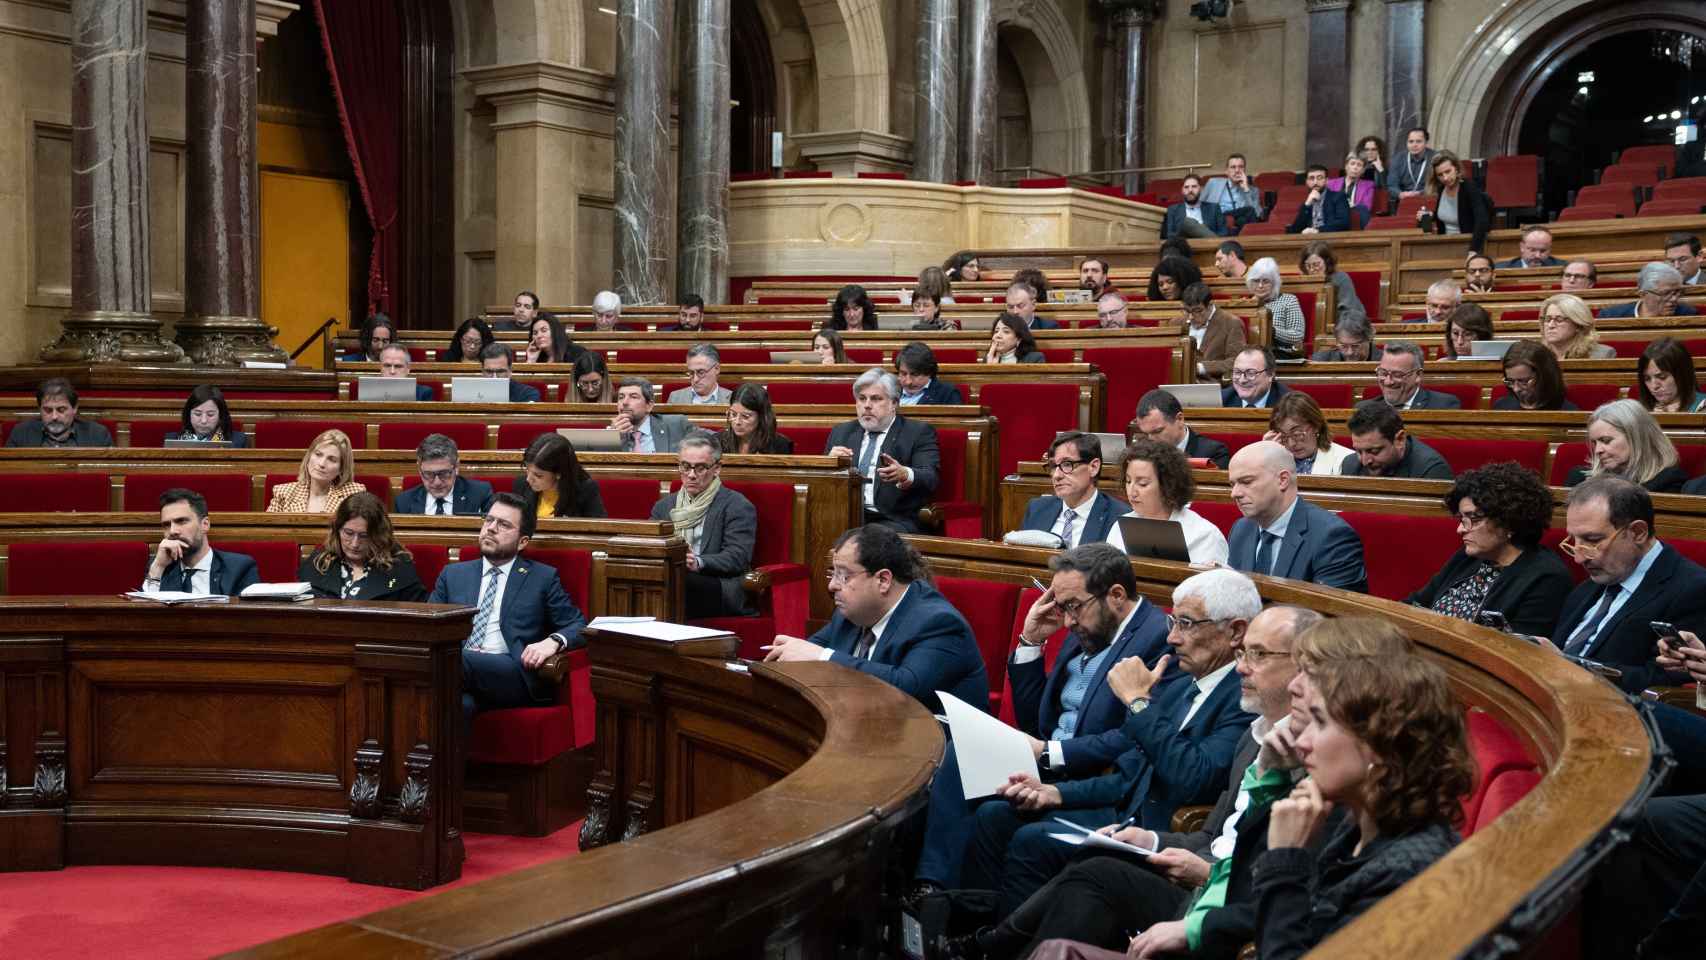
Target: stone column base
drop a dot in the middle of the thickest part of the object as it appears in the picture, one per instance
(104, 336)
(228, 341)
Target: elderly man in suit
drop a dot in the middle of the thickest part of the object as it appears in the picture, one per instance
(1536, 247)
(643, 431)
(184, 562)
(497, 362)
(525, 616)
(394, 362)
(898, 458)
(443, 490)
(718, 524)
(1253, 383)
(1076, 512)
(58, 425)
(890, 623)
(1161, 417)
(1660, 285)
(1283, 535)
(1354, 337)
(1192, 217)
(1385, 449)
(703, 365)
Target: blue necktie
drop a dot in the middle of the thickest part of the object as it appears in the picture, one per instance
(1265, 553)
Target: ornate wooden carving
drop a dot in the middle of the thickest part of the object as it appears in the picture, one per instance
(364, 792)
(595, 829)
(49, 787)
(638, 813)
(417, 787)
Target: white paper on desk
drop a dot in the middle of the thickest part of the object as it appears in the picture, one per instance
(1091, 838)
(666, 631)
(988, 750)
(618, 621)
(171, 597)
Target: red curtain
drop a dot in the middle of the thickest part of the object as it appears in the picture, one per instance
(364, 52)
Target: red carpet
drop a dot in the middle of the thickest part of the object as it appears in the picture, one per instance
(148, 912)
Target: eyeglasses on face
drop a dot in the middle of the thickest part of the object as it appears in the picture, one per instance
(1258, 657)
(1074, 606)
(1187, 624)
(438, 476)
(695, 469)
(1066, 466)
(1384, 374)
(843, 576)
(1248, 374)
(1520, 383)
(1579, 551)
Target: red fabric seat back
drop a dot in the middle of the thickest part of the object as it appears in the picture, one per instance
(1030, 415)
(1330, 396)
(1465, 454)
(1367, 285)
(517, 436)
(1131, 372)
(430, 561)
(1223, 514)
(775, 505)
(957, 355)
(809, 441)
(1591, 211)
(1639, 174)
(1674, 207)
(104, 567)
(1627, 348)
(1234, 441)
(1501, 794)
(1261, 228)
(870, 355)
(1393, 222)
(1402, 553)
(298, 434)
(1286, 201)
(1680, 188)
(747, 325)
(574, 569)
(1661, 155)
(276, 560)
(628, 498)
(55, 492)
(1692, 549)
(1306, 302)
(951, 449)
(408, 435)
(1514, 181)
(1002, 705)
(224, 492)
(826, 393)
(1619, 195)
(1273, 181)
(988, 607)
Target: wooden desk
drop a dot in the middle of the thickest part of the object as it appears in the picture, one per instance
(321, 737)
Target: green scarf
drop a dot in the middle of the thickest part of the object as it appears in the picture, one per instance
(689, 512)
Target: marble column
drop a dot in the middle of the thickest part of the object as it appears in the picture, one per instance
(1406, 67)
(977, 92)
(702, 217)
(1130, 22)
(111, 318)
(936, 102)
(221, 325)
(1327, 129)
(642, 149)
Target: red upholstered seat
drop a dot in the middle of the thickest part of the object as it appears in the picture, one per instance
(1691, 457)
(784, 607)
(1402, 553)
(1306, 302)
(1619, 195)
(516, 436)
(1639, 174)
(1591, 211)
(1273, 181)
(1030, 415)
(989, 608)
(818, 392)
(1286, 201)
(1393, 222)
(1627, 348)
(1514, 180)
(298, 434)
(1680, 188)
(1264, 227)
(1661, 155)
(1234, 441)
(1464, 454)
(870, 355)
(628, 498)
(224, 492)
(1042, 183)
(1499, 795)
(54, 492)
(749, 325)
(808, 440)
(104, 567)
(430, 561)
(1002, 706)
(407, 435)
(276, 560)
(1131, 372)
(962, 515)
(956, 355)
(1367, 286)
(1222, 514)
(1331, 396)
(1673, 207)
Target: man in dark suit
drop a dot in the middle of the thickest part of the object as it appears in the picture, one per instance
(58, 425)
(1283, 535)
(1253, 383)
(394, 362)
(1076, 512)
(642, 430)
(1536, 251)
(897, 457)
(890, 623)
(1399, 374)
(1071, 716)
(1323, 211)
(1184, 731)
(497, 362)
(690, 318)
(525, 616)
(184, 562)
(1161, 417)
(719, 525)
(1661, 287)
(1191, 216)
(1385, 449)
(1022, 302)
(443, 490)
(916, 368)
(1633, 580)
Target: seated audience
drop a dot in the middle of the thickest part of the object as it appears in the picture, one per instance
(1478, 273)
(690, 318)
(549, 342)
(1625, 441)
(1443, 296)
(752, 423)
(377, 333)
(525, 616)
(360, 559)
(915, 367)
(1409, 176)
(592, 380)
(394, 361)
(1285, 314)
(1253, 383)
(1318, 260)
(643, 431)
(1229, 260)
(1660, 286)
(1385, 449)
(1502, 510)
(497, 362)
(897, 457)
(852, 310)
(184, 562)
(607, 312)
(1171, 277)
(934, 282)
(1358, 192)
(891, 623)
(206, 417)
(1682, 253)
(1094, 276)
(1076, 512)
(1159, 486)
(1455, 205)
(1298, 425)
(1355, 336)
(1022, 303)
(1283, 535)
(1400, 376)
(1536, 247)
(1111, 312)
(522, 313)
(1192, 216)
(1578, 275)
(58, 424)
(1665, 379)
(1465, 324)
(928, 312)
(704, 365)
(1161, 417)
(1011, 341)
(719, 525)
(553, 483)
(325, 477)
(1323, 211)
(1373, 152)
(1038, 282)
(962, 266)
(1566, 328)
(1218, 335)
(1533, 379)
(1235, 193)
(827, 344)
(466, 343)
(443, 490)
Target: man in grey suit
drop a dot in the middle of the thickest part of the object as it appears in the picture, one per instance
(718, 524)
(642, 431)
(1283, 535)
(1400, 377)
(703, 365)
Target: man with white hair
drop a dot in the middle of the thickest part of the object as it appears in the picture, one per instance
(1536, 249)
(1443, 297)
(897, 457)
(607, 311)
(1283, 535)
(1661, 292)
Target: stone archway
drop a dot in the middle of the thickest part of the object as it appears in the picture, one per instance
(1046, 50)
(850, 53)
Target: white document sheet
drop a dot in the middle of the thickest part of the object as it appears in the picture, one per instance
(1090, 838)
(988, 750)
(173, 597)
(666, 631)
(618, 621)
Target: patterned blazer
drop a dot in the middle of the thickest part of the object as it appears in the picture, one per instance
(292, 497)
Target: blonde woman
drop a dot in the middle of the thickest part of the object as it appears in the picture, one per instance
(1566, 328)
(1625, 441)
(325, 478)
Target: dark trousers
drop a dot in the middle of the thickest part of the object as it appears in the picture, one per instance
(492, 681)
(948, 826)
(705, 597)
(1647, 877)
(1685, 734)
(1012, 853)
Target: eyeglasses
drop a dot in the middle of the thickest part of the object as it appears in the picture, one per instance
(1066, 466)
(1114, 314)
(693, 374)
(695, 469)
(1187, 624)
(1300, 435)
(1581, 552)
(1554, 318)
(844, 576)
(1384, 374)
(745, 416)
(1667, 296)
(1520, 383)
(1073, 606)
(438, 476)
(1577, 276)
(1471, 519)
(1248, 374)
(1258, 657)
(353, 536)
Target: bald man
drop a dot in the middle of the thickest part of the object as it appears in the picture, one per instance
(1283, 535)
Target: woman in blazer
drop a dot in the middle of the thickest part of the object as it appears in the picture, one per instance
(360, 560)
(1467, 210)
(325, 479)
(555, 483)
(752, 423)
(1298, 425)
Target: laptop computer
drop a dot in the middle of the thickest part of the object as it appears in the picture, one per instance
(794, 356)
(386, 388)
(1112, 443)
(592, 438)
(179, 443)
(1194, 394)
(478, 390)
(1154, 539)
(1490, 348)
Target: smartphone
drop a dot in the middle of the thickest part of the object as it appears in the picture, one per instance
(1668, 631)
(1495, 619)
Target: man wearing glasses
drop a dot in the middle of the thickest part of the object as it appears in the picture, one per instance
(1077, 512)
(719, 526)
(1385, 449)
(1536, 251)
(1578, 275)
(703, 366)
(1218, 336)
(1661, 295)
(1110, 311)
(443, 491)
(1253, 384)
(1283, 535)
(1400, 377)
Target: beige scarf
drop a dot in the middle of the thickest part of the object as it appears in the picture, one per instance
(689, 512)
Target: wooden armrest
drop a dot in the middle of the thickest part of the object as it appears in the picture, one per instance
(1190, 819)
(1680, 697)
(929, 518)
(756, 582)
(555, 666)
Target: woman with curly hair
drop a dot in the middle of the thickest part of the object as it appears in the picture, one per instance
(1158, 485)
(466, 343)
(360, 559)
(1502, 510)
(1170, 278)
(853, 310)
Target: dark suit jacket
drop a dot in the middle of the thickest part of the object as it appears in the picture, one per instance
(1435, 400)
(913, 443)
(1035, 356)
(230, 574)
(468, 498)
(399, 582)
(84, 433)
(1530, 591)
(1474, 214)
(927, 646)
(1674, 590)
(1168, 767)
(1212, 217)
(938, 392)
(1042, 512)
(1215, 452)
(521, 393)
(588, 502)
(1628, 310)
(1044, 323)
(1420, 462)
(1335, 355)
(1695, 487)
(1515, 263)
(1509, 402)
(725, 543)
(535, 606)
(1672, 479)
(1229, 396)
(1318, 547)
(1096, 738)
(1335, 214)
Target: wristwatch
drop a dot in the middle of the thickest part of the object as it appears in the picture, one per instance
(1138, 705)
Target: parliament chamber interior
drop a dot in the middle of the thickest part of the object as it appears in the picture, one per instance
(1100, 569)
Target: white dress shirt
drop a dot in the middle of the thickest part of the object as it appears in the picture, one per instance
(877, 629)
(1205, 686)
(1081, 518)
(201, 576)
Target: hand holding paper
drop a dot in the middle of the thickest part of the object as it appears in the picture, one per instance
(988, 750)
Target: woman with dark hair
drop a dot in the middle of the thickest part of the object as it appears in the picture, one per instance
(1170, 278)
(853, 310)
(1158, 485)
(467, 342)
(1533, 378)
(1466, 323)
(826, 343)
(206, 417)
(1174, 247)
(377, 333)
(592, 380)
(1011, 341)
(548, 342)
(752, 423)
(1318, 260)
(935, 283)
(1502, 511)
(928, 311)
(1665, 379)
(360, 559)
(1458, 205)
(1373, 152)
(962, 266)
(554, 482)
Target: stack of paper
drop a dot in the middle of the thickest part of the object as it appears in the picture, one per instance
(171, 597)
(277, 591)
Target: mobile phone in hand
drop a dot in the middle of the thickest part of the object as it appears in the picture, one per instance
(1665, 630)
